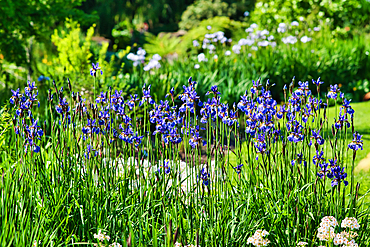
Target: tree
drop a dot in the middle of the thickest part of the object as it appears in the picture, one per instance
(25, 21)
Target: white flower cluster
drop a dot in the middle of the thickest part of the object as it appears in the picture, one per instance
(350, 222)
(177, 244)
(261, 38)
(137, 58)
(305, 39)
(289, 40)
(35, 243)
(302, 244)
(282, 28)
(210, 38)
(210, 42)
(202, 58)
(153, 63)
(101, 236)
(258, 238)
(115, 245)
(326, 232)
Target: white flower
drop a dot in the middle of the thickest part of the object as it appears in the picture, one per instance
(101, 236)
(227, 53)
(115, 245)
(138, 58)
(367, 53)
(242, 42)
(209, 27)
(316, 29)
(246, 42)
(249, 30)
(249, 54)
(282, 28)
(195, 43)
(350, 222)
(301, 18)
(294, 23)
(220, 35)
(131, 56)
(141, 52)
(35, 243)
(152, 64)
(215, 57)
(289, 40)
(263, 43)
(264, 32)
(197, 66)
(209, 36)
(211, 47)
(305, 39)
(236, 49)
(202, 58)
(246, 13)
(302, 244)
(254, 25)
(254, 48)
(156, 57)
(273, 44)
(223, 40)
(271, 37)
(258, 238)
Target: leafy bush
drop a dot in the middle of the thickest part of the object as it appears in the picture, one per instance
(5, 127)
(75, 54)
(163, 45)
(337, 12)
(24, 22)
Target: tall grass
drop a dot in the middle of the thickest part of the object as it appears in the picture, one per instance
(149, 173)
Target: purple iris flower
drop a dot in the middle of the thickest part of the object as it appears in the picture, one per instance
(318, 158)
(356, 143)
(165, 166)
(332, 94)
(324, 170)
(94, 69)
(238, 168)
(204, 175)
(318, 82)
(316, 135)
(337, 175)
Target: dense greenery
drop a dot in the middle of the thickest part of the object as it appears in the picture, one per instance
(148, 174)
(25, 22)
(135, 153)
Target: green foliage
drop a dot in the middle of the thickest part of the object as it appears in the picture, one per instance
(159, 15)
(73, 50)
(231, 28)
(76, 51)
(202, 10)
(337, 12)
(163, 45)
(5, 127)
(24, 20)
